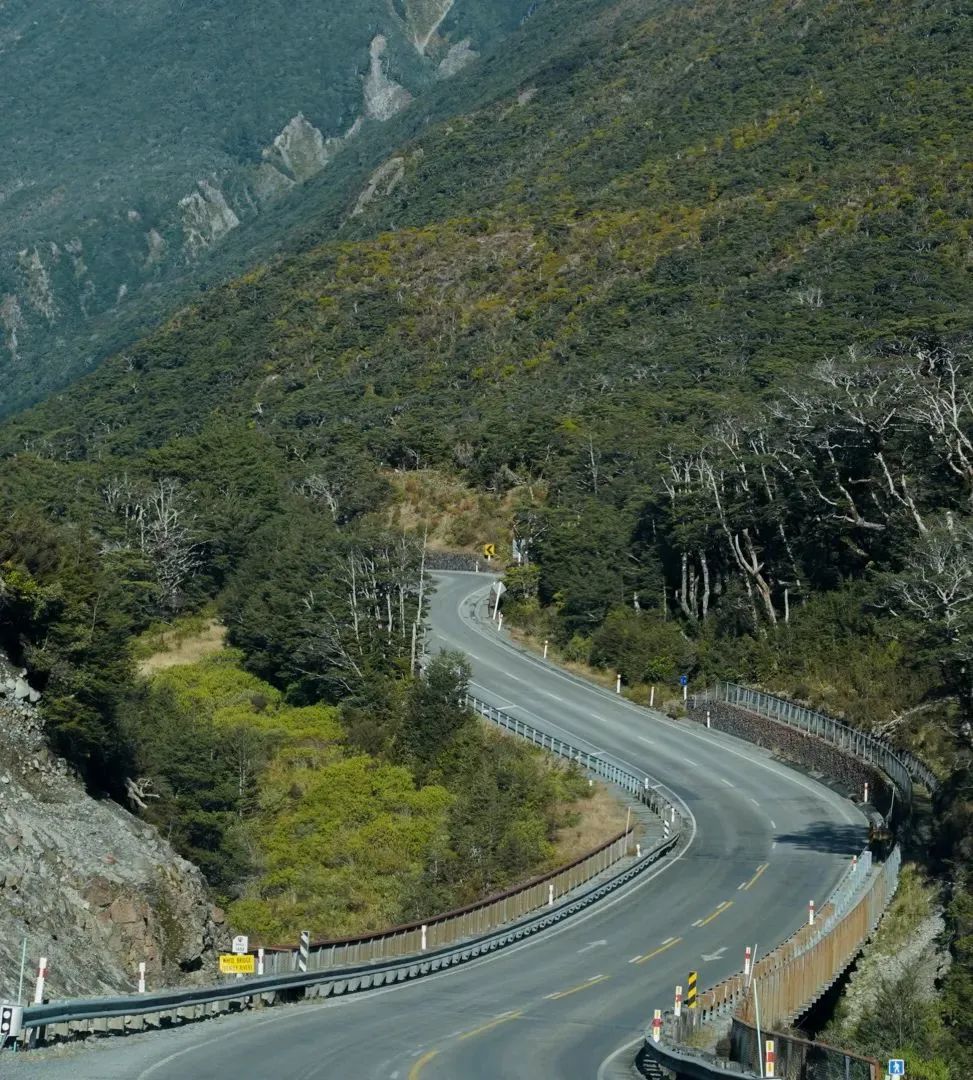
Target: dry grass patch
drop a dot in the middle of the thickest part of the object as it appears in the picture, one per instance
(598, 819)
(576, 667)
(180, 645)
(456, 515)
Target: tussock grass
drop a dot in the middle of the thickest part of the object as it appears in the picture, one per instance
(456, 516)
(186, 641)
(594, 820)
(912, 904)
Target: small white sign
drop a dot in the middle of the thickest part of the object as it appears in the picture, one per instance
(241, 944)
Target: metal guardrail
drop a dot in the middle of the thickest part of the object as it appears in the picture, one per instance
(791, 977)
(494, 911)
(901, 766)
(129, 1012)
(788, 980)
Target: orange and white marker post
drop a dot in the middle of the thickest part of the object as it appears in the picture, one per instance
(770, 1058)
(657, 1025)
(810, 913)
(677, 1006)
(141, 976)
(747, 957)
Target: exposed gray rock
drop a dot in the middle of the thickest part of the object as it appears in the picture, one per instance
(87, 884)
(206, 217)
(383, 97)
(459, 56)
(423, 18)
(384, 180)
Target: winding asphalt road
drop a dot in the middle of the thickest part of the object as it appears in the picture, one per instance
(571, 1002)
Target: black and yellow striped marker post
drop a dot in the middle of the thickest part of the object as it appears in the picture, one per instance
(691, 990)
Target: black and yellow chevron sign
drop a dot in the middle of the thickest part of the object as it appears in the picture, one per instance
(490, 550)
(691, 990)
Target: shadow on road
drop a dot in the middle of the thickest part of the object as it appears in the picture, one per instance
(827, 836)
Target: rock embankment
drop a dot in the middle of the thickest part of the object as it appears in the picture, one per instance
(87, 884)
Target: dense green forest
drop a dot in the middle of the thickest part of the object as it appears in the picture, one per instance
(691, 299)
(143, 134)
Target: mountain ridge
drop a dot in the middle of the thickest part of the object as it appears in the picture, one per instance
(233, 110)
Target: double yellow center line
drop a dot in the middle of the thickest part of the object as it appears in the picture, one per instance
(593, 981)
(760, 869)
(667, 944)
(725, 906)
(421, 1063)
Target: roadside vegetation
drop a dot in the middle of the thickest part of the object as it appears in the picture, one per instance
(686, 307)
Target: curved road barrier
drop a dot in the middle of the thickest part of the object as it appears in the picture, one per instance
(758, 840)
(785, 983)
(118, 1015)
(901, 766)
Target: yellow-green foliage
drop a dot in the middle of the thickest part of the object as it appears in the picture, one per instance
(339, 845)
(337, 840)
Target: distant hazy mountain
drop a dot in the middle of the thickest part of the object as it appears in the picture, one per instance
(139, 135)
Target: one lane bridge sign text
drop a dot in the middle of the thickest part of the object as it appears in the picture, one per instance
(237, 965)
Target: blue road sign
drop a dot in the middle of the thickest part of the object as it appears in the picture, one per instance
(896, 1067)
(684, 681)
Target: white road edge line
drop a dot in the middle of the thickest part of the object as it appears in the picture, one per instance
(602, 1073)
(367, 995)
(819, 791)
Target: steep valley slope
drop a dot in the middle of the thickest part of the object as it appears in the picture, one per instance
(139, 136)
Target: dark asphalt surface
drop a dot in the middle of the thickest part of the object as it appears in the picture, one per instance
(765, 841)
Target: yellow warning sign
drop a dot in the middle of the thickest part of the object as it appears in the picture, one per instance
(490, 550)
(237, 965)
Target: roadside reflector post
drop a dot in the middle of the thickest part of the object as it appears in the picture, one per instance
(866, 792)
(708, 724)
(618, 683)
(304, 950)
(141, 976)
(41, 979)
(692, 989)
(677, 1006)
(545, 649)
(550, 895)
(651, 696)
(770, 1058)
(747, 956)
(657, 1025)
(854, 863)
(638, 851)
(810, 913)
(500, 621)
(260, 961)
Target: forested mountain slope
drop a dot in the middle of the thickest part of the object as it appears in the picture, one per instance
(141, 135)
(691, 287)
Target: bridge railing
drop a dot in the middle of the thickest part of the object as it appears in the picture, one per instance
(902, 767)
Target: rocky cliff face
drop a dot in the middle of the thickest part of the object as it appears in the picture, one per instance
(118, 181)
(87, 885)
